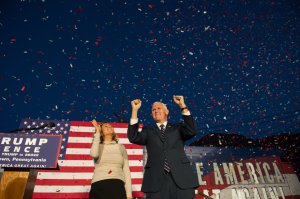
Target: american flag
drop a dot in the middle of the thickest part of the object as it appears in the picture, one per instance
(73, 179)
(60, 128)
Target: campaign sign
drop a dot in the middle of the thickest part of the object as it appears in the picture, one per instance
(29, 151)
(242, 173)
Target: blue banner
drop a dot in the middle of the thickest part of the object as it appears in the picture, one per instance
(29, 151)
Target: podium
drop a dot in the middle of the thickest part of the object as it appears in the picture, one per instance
(21, 155)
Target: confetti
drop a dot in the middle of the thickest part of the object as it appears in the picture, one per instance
(22, 88)
(236, 63)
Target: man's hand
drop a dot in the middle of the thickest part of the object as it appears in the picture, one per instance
(136, 104)
(179, 100)
(96, 125)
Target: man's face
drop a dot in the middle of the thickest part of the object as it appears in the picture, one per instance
(159, 112)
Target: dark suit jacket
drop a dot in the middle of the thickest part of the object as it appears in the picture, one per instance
(172, 149)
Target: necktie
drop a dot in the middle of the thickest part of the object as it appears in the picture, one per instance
(163, 134)
(162, 131)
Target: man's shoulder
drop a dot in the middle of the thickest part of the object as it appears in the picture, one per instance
(148, 127)
(177, 124)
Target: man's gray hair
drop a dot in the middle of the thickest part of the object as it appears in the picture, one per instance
(164, 105)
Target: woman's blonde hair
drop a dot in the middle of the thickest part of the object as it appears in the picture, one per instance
(114, 137)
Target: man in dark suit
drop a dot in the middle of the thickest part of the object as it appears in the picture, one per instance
(168, 173)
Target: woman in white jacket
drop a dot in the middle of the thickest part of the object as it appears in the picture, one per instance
(111, 177)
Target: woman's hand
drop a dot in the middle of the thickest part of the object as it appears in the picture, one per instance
(97, 126)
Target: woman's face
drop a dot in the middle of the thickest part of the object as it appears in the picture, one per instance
(107, 129)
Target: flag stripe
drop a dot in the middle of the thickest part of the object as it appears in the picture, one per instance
(88, 145)
(89, 140)
(87, 169)
(86, 151)
(69, 182)
(84, 123)
(75, 176)
(91, 134)
(88, 157)
(80, 134)
(58, 195)
(91, 129)
(79, 163)
(71, 189)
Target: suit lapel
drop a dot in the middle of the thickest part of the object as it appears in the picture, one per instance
(167, 132)
(157, 130)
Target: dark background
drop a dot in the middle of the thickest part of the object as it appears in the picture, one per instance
(236, 63)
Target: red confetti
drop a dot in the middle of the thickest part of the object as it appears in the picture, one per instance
(99, 38)
(79, 10)
(151, 6)
(109, 172)
(245, 63)
(23, 88)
